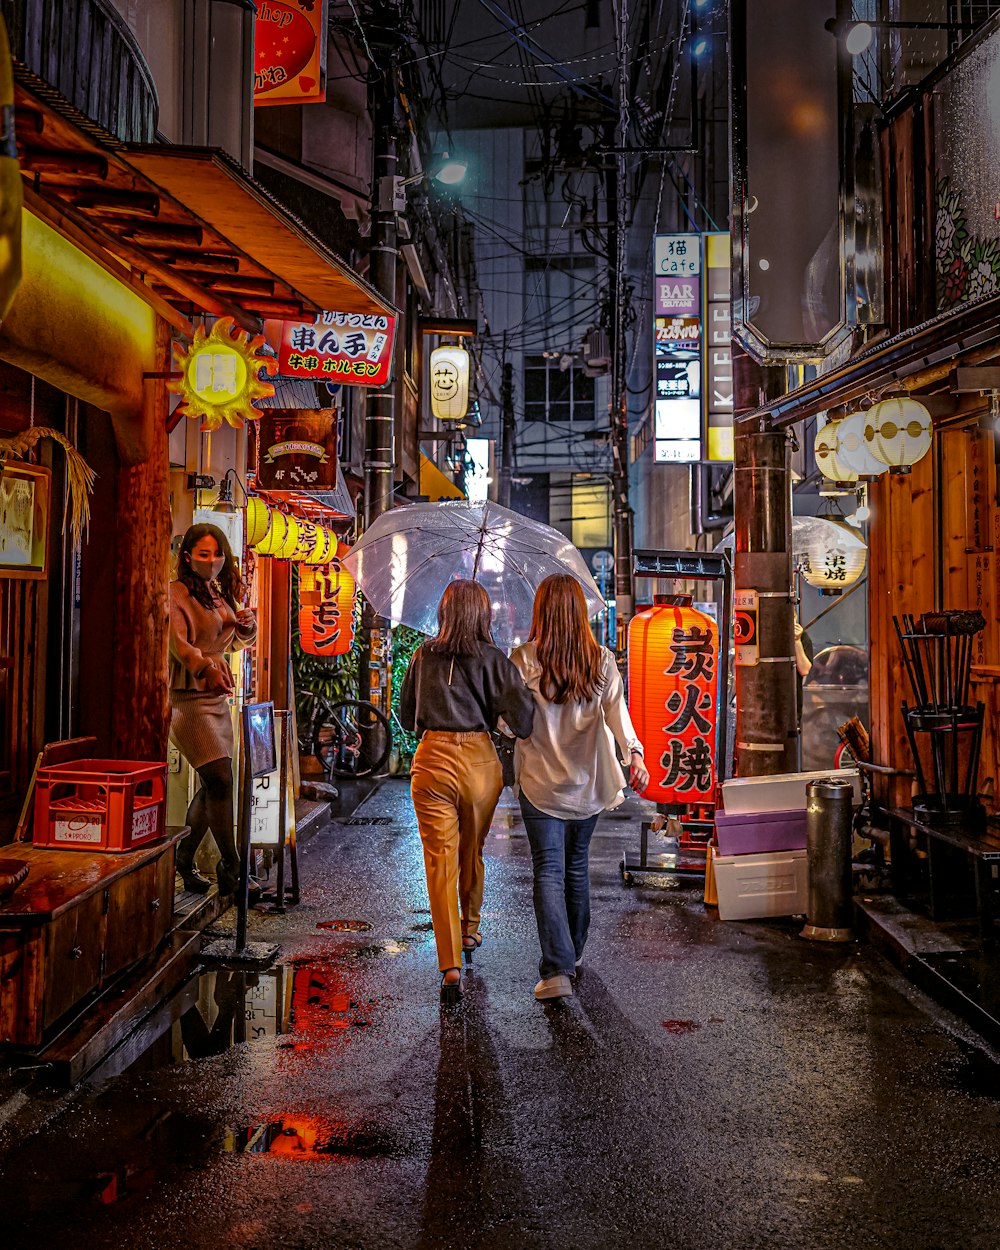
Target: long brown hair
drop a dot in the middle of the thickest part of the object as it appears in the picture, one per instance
(229, 583)
(464, 619)
(566, 650)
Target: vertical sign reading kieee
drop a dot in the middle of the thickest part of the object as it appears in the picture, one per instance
(718, 349)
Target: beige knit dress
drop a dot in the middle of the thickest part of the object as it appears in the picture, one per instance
(201, 725)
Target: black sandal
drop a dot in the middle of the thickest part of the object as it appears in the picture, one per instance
(471, 942)
(451, 991)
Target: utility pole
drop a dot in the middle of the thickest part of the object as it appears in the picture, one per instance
(617, 405)
(507, 429)
(380, 417)
(766, 713)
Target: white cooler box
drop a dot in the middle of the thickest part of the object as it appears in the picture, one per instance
(784, 792)
(750, 887)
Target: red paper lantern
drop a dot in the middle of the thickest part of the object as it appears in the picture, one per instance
(327, 596)
(673, 654)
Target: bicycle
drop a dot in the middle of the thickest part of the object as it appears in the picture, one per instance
(350, 738)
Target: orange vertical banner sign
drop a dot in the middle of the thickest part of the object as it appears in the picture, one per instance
(327, 597)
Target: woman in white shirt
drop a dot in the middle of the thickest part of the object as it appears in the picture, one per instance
(567, 771)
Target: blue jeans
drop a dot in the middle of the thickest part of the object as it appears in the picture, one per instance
(561, 894)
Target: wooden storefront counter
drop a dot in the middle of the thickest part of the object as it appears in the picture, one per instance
(76, 922)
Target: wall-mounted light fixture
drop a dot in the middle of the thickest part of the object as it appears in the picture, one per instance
(857, 36)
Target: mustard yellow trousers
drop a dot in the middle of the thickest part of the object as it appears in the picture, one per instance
(455, 783)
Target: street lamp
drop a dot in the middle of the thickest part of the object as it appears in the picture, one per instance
(857, 36)
(448, 170)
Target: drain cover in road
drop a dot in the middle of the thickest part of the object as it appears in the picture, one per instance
(367, 820)
(345, 926)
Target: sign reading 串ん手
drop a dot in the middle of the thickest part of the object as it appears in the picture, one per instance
(352, 348)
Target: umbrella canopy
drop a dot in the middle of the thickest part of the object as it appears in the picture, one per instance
(406, 558)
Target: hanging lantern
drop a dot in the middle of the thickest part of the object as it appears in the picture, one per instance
(220, 375)
(852, 447)
(281, 538)
(828, 461)
(325, 548)
(327, 598)
(449, 383)
(898, 432)
(832, 556)
(258, 520)
(672, 677)
(307, 540)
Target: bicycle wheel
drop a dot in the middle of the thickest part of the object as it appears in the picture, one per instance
(352, 739)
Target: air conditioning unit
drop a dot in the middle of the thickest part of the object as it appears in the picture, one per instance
(597, 350)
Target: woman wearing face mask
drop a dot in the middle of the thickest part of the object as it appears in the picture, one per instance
(207, 620)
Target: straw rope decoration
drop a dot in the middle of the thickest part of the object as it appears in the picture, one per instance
(80, 476)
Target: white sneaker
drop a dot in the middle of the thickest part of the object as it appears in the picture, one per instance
(554, 987)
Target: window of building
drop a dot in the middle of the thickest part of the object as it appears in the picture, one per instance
(557, 395)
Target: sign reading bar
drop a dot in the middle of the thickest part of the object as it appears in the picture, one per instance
(352, 348)
(290, 52)
(678, 297)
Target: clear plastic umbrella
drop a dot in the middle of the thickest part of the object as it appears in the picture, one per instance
(406, 558)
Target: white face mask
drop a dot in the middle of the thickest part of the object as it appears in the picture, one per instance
(209, 570)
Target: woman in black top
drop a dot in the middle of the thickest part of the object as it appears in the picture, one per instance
(458, 686)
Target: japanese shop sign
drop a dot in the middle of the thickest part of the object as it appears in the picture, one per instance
(677, 335)
(677, 255)
(220, 375)
(678, 296)
(672, 662)
(745, 626)
(298, 449)
(351, 348)
(290, 52)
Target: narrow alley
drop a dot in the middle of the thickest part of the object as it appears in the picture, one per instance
(709, 1085)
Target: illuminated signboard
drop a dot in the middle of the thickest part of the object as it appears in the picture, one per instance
(220, 375)
(290, 52)
(352, 348)
(677, 349)
(677, 255)
(718, 349)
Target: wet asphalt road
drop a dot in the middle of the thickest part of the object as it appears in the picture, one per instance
(711, 1085)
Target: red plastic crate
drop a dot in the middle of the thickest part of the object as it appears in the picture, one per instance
(100, 805)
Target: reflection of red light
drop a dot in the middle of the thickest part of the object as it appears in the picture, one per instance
(297, 1138)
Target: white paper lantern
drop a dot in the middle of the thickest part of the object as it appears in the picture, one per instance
(898, 432)
(853, 449)
(832, 556)
(828, 461)
(449, 383)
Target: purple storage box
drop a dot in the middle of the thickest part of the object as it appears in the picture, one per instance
(760, 832)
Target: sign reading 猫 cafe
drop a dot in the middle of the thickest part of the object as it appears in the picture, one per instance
(354, 349)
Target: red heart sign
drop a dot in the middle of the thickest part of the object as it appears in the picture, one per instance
(284, 44)
(307, 84)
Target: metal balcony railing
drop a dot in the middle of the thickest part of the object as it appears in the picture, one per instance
(84, 49)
